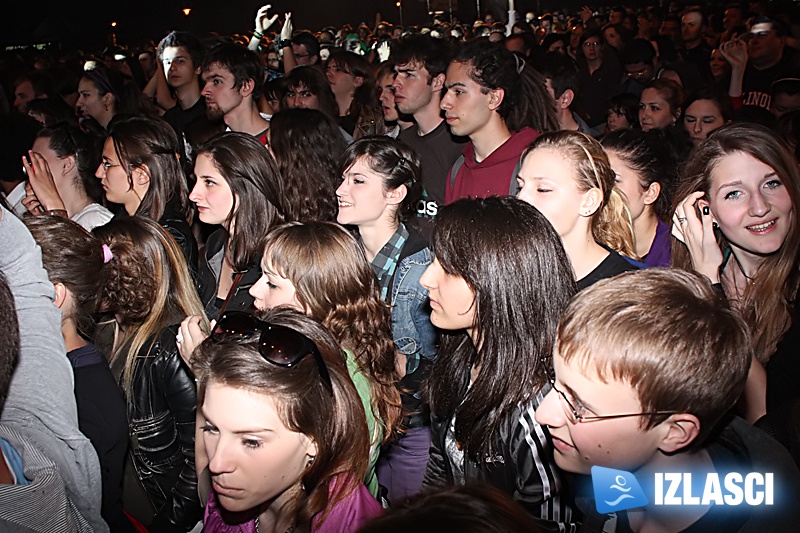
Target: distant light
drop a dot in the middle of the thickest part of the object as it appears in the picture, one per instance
(187, 10)
(398, 4)
(113, 24)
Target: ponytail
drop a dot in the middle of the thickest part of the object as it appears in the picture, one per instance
(612, 225)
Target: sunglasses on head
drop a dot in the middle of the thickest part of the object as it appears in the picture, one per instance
(279, 345)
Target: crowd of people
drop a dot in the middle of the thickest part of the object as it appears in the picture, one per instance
(392, 279)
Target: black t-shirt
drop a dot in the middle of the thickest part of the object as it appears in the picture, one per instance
(757, 84)
(611, 266)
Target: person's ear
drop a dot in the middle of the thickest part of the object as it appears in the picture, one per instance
(651, 193)
(68, 164)
(107, 99)
(676, 116)
(311, 449)
(681, 430)
(358, 81)
(140, 176)
(565, 100)
(61, 295)
(437, 82)
(496, 97)
(247, 87)
(592, 200)
(397, 195)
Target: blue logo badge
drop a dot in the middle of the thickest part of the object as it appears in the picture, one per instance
(616, 490)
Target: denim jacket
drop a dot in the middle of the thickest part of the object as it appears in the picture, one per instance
(413, 333)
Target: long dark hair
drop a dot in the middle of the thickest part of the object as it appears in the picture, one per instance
(514, 262)
(645, 153)
(257, 190)
(316, 83)
(365, 107)
(335, 422)
(307, 145)
(152, 142)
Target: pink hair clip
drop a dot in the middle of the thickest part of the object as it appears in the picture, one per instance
(107, 255)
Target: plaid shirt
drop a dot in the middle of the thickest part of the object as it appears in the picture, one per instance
(385, 262)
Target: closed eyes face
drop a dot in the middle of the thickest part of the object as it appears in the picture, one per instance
(751, 204)
(547, 182)
(253, 457)
(702, 117)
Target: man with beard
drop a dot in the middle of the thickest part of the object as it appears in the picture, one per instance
(233, 82)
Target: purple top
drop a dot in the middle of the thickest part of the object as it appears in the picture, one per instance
(660, 250)
(355, 510)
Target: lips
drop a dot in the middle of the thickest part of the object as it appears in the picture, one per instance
(763, 227)
(222, 490)
(344, 204)
(560, 444)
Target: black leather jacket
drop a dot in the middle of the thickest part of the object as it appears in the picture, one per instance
(161, 416)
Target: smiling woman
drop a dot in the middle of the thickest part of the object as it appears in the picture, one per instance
(736, 215)
(285, 436)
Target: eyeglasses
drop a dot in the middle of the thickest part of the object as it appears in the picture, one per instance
(106, 165)
(576, 417)
(279, 345)
(638, 72)
(592, 44)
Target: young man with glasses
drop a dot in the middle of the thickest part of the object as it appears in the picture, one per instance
(646, 370)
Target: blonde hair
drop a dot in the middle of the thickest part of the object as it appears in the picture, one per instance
(149, 286)
(611, 223)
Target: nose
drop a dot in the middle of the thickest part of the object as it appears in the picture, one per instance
(101, 171)
(294, 102)
(342, 188)
(550, 413)
(446, 101)
(257, 290)
(194, 196)
(428, 279)
(697, 128)
(206, 90)
(219, 457)
(758, 204)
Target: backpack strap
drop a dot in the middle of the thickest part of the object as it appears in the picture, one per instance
(454, 170)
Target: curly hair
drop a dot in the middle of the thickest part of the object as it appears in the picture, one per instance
(336, 285)
(73, 257)
(149, 286)
(307, 145)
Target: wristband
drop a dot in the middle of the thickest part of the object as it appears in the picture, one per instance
(286, 43)
(58, 213)
(258, 35)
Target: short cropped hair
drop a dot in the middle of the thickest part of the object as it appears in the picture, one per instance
(241, 62)
(307, 39)
(668, 334)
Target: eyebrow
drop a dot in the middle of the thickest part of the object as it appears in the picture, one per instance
(577, 398)
(213, 76)
(405, 70)
(239, 432)
(456, 84)
(739, 182)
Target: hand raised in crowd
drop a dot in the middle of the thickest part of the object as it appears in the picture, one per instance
(735, 52)
(263, 20)
(190, 336)
(586, 13)
(697, 233)
(41, 181)
(384, 51)
(286, 31)
(30, 201)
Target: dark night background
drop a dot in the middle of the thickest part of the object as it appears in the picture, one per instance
(86, 24)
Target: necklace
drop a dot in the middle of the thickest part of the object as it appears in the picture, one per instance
(258, 530)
